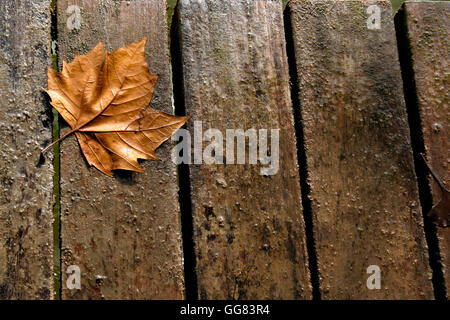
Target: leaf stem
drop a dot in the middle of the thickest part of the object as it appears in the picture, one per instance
(56, 141)
(438, 181)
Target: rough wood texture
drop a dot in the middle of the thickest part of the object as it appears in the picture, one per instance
(428, 25)
(364, 197)
(26, 199)
(123, 232)
(248, 228)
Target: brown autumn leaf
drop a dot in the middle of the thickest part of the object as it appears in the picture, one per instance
(104, 98)
(440, 212)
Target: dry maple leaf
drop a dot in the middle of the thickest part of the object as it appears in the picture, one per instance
(441, 210)
(104, 98)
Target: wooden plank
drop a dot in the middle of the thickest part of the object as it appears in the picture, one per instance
(122, 232)
(427, 27)
(26, 198)
(248, 228)
(364, 195)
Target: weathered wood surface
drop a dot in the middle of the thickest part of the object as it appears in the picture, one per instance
(248, 228)
(26, 199)
(428, 25)
(123, 232)
(364, 195)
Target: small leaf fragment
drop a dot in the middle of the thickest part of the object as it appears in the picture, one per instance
(440, 212)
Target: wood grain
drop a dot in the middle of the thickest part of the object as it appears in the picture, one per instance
(364, 195)
(427, 26)
(248, 228)
(26, 198)
(123, 232)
